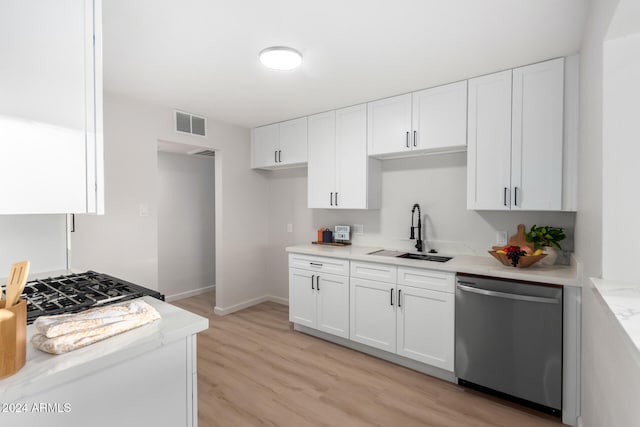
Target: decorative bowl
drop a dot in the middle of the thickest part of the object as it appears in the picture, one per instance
(523, 261)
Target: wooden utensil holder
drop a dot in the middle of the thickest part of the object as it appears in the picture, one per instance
(13, 339)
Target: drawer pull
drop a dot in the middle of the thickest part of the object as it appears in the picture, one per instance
(315, 264)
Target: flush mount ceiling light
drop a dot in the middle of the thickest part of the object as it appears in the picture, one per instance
(281, 58)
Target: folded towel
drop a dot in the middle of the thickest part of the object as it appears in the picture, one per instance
(66, 332)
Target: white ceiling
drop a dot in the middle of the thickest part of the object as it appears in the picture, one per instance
(201, 56)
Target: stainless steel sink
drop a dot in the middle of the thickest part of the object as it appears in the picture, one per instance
(409, 255)
(425, 257)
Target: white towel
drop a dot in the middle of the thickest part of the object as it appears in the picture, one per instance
(67, 332)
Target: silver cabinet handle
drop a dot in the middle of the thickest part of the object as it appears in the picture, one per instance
(336, 198)
(507, 295)
(275, 156)
(280, 156)
(318, 283)
(407, 139)
(391, 294)
(415, 138)
(331, 198)
(315, 264)
(399, 296)
(505, 196)
(312, 277)
(515, 196)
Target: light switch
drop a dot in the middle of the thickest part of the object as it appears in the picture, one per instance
(144, 209)
(501, 237)
(289, 228)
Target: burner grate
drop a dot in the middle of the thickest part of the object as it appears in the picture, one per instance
(77, 292)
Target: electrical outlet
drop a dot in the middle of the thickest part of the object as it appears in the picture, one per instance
(501, 237)
(143, 209)
(289, 228)
(358, 228)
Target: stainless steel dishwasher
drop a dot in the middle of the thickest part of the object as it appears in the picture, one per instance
(509, 339)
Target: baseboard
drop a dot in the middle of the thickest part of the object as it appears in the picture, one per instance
(187, 294)
(223, 311)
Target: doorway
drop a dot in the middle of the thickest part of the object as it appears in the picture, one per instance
(186, 223)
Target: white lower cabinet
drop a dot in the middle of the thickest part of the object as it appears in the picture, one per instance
(401, 310)
(425, 326)
(319, 300)
(373, 313)
(414, 321)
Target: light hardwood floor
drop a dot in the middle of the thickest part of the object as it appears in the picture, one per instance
(253, 369)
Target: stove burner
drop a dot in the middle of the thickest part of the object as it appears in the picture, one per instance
(77, 292)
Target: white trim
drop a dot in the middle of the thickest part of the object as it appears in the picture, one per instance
(222, 311)
(580, 422)
(192, 293)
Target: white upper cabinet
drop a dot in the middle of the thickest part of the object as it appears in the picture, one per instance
(389, 125)
(515, 153)
(536, 136)
(440, 118)
(51, 107)
(431, 120)
(280, 145)
(489, 150)
(341, 176)
(322, 160)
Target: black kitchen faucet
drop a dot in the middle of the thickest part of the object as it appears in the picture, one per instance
(412, 236)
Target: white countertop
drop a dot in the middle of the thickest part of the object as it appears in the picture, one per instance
(43, 370)
(624, 301)
(567, 275)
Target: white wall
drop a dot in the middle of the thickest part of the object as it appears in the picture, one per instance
(124, 244)
(437, 183)
(621, 204)
(186, 224)
(41, 239)
(610, 369)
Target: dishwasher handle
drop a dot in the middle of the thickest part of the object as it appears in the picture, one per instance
(516, 297)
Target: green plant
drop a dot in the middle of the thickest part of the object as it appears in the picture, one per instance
(545, 236)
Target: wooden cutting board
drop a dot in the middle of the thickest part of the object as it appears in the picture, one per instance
(518, 239)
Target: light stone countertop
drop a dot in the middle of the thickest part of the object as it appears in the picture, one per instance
(567, 275)
(623, 299)
(43, 371)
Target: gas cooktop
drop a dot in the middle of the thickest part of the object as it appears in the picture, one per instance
(77, 292)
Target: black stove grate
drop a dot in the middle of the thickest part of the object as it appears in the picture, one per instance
(77, 292)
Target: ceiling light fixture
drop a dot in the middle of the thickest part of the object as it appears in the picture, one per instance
(281, 58)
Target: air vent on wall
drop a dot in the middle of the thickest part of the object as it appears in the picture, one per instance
(191, 124)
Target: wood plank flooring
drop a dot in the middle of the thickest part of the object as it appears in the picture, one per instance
(254, 370)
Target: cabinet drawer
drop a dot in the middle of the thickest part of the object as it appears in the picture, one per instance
(319, 263)
(372, 271)
(427, 279)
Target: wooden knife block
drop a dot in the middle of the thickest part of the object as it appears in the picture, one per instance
(13, 339)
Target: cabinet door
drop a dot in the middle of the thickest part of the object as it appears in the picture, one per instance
(48, 113)
(322, 160)
(440, 117)
(536, 177)
(265, 145)
(389, 125)
(293, 142)
(302, 297)
(373, 314)
(332, 304)
(351, 157)
(426, 326)
(489, 143)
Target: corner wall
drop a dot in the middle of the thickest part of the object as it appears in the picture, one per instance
(125, 244)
